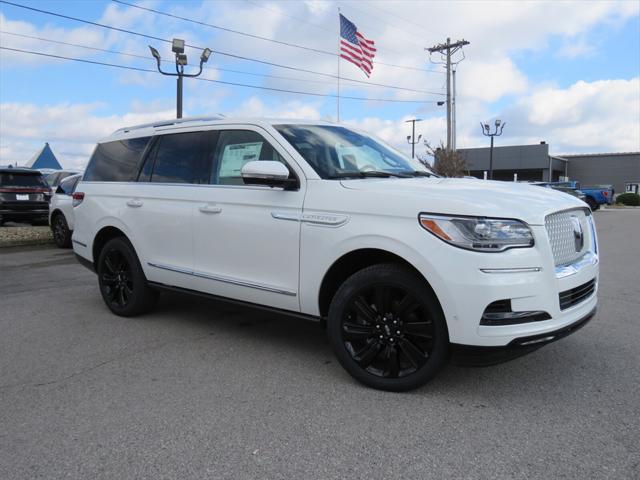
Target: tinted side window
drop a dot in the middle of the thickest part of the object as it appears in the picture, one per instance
(181, 158)
(234, 149)
(116, 161)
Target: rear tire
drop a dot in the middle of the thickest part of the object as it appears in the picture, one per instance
(60, 231)
(387, 329)
(123, 286)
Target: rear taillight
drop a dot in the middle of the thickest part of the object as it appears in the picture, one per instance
(605, 193)
(78, 197)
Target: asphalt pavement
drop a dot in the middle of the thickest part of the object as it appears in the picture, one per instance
(200, 389)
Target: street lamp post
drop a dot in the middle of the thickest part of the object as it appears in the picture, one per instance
(177, 47)
(411, 139)
(486, 131)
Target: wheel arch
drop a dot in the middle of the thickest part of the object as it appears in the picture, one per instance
(102, 237)
(353, 261)
(54, 213)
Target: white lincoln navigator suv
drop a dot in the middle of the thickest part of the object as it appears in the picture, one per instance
(321, 221)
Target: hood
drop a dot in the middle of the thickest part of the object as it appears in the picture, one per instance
(460, 196)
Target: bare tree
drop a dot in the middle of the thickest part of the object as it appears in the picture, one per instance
(448, 163)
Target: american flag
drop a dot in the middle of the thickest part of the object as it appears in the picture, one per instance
(354, 47)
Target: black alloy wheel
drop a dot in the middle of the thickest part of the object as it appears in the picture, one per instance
(387, 329)
(122, 282)
(116, 279)
(60, 231)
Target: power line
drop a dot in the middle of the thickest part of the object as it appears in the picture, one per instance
(241, 72)
(298, 19)
(406, 20)
(226, 54)
(259, 87)
(331, 31)
(258, 37)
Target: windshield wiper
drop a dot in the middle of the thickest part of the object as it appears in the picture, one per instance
(419, 173)
(370, 174)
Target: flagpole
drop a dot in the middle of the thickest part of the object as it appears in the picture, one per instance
(338, 97)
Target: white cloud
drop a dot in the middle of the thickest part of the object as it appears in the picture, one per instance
(254, 107)
(70, 128)
(599, 116)
(489, 81)
(576, 47)
(573, 118)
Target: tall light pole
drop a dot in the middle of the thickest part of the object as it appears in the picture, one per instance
(177, 47)
(486, 131)
(411, 139)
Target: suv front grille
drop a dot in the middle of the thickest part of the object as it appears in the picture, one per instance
(572, 297)
(569, 235)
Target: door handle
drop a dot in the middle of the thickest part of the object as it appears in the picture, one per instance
(135, 203)
(210, 209)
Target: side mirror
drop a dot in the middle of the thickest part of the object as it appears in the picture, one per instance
(266, 172)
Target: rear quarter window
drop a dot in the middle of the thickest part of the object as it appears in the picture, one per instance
(116, 161)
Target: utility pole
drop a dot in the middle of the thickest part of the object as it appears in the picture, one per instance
(453, 112)
(411, 139)
(448, 49)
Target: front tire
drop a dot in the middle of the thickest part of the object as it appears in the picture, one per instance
(387, 329)
(123, 286)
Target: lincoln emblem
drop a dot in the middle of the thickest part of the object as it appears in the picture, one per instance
(578, 235)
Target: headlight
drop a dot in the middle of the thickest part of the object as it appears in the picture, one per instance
(478, 233)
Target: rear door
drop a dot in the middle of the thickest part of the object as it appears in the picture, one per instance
(247, 237)
(160, 210)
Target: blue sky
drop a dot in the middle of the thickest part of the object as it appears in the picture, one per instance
(564, 72)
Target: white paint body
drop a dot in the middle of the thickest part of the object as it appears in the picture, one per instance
(62, 203)
(273, 247)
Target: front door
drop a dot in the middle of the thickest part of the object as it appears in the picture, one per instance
(247, 238)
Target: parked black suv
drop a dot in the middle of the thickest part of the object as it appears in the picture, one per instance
(24, 196)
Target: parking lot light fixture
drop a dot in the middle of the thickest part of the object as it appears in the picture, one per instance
(206, 53)
(177, 47)
(486, 131)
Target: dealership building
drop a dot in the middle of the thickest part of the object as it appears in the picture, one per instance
(535, 163)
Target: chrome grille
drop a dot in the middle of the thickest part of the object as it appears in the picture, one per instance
(560, 228)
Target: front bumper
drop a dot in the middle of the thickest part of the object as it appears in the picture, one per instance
(527, 278)
(469, 355)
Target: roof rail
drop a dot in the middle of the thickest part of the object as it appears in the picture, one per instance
(175, 121)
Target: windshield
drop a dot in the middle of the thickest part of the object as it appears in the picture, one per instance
(338, 152)
(22, 179)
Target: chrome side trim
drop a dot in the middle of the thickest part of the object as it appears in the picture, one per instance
(511, 270)
(293, 217)
(587, 260)
(219, 278)
(327, 219)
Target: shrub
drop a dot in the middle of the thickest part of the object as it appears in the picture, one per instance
(631, 199)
